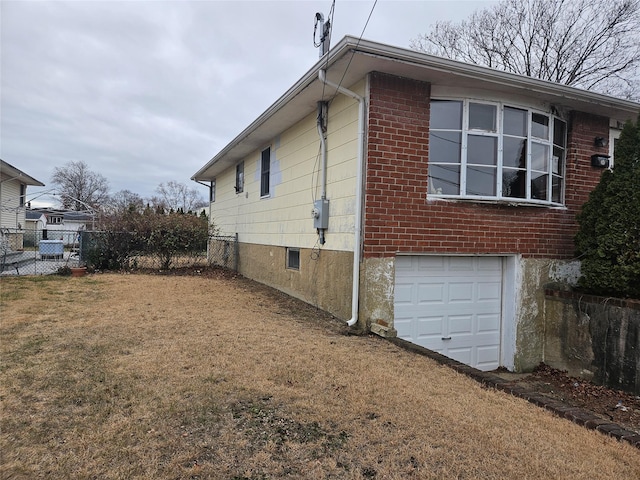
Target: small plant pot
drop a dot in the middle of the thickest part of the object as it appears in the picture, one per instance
(78, 271)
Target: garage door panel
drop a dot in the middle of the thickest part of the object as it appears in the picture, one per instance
(460, 292)
(404, 326)
(430, 293)
(429, 327)
(461, 264)
(460, 324)
(488, 323)
(487, 358)
(463, 355)
(489, 291)
(456, 297)
(430, 264)
(404, 294)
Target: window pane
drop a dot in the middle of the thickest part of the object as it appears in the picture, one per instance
(265, 169)
(557, 161)
(482, 150)
(539, 189)
(446, 114)
(481, 181)
(559, 132)
(293, 258)
(515, 122)
(514, 183)
(540, 126)
(539, 157)
(444, 179)
(556, 189)
(514, 152)
(482, 117)
(445, 147)
(239, 177)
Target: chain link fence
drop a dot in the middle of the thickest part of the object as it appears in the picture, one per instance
(38, 252)
(43, 252)
(223, 251)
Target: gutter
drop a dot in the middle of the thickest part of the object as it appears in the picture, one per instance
(357, 245)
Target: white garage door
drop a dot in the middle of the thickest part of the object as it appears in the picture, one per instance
(451, 305)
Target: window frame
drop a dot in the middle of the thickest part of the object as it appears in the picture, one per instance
(239, 186)
(212, 191)
(292, 265)
(455, 161)
(265, 173)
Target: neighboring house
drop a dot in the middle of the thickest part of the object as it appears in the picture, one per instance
(13, 193)
(59, 224)
(437, 205)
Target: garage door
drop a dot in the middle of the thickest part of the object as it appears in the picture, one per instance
(451, 305)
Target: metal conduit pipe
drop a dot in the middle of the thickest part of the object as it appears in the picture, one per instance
(357, 246)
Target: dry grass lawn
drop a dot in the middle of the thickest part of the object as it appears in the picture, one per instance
(166, 377)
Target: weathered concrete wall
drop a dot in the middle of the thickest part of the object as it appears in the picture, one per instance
(377, 281)
(530, 316)
(594, 337)
(325, 281)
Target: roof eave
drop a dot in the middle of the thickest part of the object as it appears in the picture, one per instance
(17, 174)
(421, 62)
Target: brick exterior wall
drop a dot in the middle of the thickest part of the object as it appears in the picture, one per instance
(399, 217)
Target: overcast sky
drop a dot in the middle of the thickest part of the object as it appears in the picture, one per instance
(148, 91)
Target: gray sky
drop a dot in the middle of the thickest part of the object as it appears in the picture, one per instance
(148, 91)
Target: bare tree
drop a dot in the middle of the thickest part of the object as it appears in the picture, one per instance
(590, 44)
(126, 200)
(80, 188)
(175, 196)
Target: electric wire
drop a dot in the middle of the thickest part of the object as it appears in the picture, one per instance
(353, 52)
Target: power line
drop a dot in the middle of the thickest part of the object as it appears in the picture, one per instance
(357, 44)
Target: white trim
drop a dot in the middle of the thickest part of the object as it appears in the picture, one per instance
(614, 134)
(510, 299)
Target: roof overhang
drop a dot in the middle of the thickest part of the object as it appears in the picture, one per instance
(352, 59)
(14, 173)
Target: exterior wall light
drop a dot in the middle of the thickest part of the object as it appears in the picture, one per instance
(600, 161)
(600, 142)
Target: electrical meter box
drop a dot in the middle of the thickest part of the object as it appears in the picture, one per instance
(320, 214)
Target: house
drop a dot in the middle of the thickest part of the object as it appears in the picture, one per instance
(58, 224)
(13, 193)
(418, 196)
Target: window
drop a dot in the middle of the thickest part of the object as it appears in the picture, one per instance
(212, 191)
(23, 193)
(490, 151)
(54, 219)
(614, 136)
(293, 258)
(265, 168)
(239, 178)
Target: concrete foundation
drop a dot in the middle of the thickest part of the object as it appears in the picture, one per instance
(324, 278)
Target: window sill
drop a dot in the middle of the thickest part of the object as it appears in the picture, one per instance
(496, 201)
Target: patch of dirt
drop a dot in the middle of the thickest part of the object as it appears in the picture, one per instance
(614, 405)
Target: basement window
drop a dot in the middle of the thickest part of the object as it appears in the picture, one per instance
(293, 258)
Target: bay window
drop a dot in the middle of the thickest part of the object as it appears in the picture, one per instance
(489, 151)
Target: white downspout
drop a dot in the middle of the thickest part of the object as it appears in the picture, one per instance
(357, 248)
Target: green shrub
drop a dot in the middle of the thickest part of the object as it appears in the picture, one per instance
(608, 239)
(162, 237)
